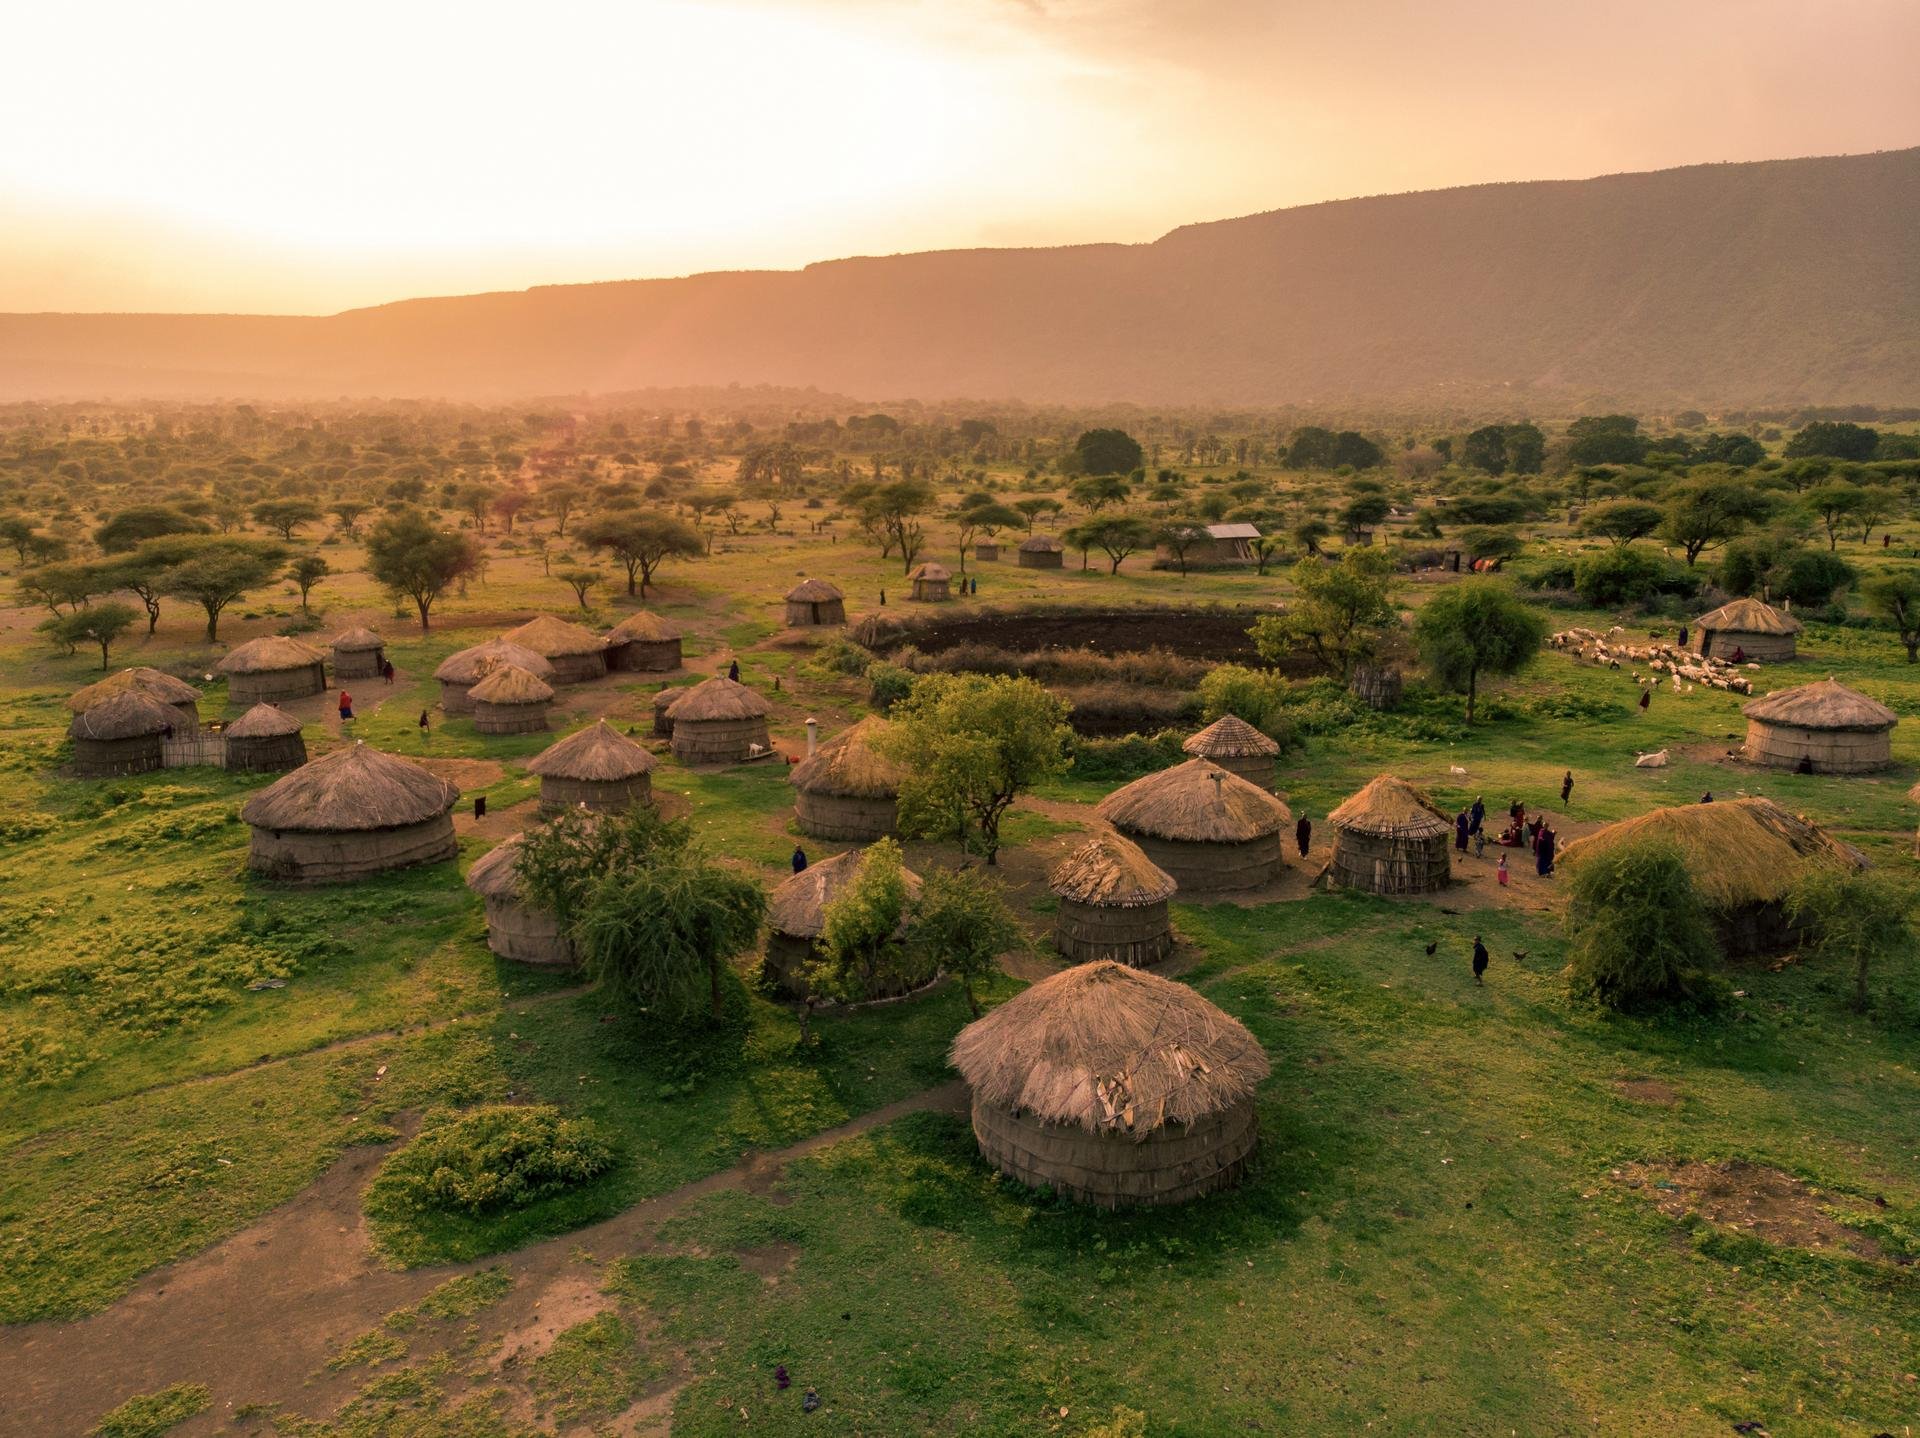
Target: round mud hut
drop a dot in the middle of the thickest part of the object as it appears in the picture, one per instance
(1113, 1086)
(516, 929)
(1390, 839)
(1238, 747)
(1743, 856)
(265, 740)
(576, 653)
(1113, 904)
(643, 643)
(1040, 551)
(987, 549)
(464, 668)
(510, 701)
(719, 721)
(596, 768)
(273, 669)
(848, 790)
(176, 694)
(349, 814)
(121, 735)
(930, 581)
(1820, 728)
(814, 602)
(797, 914)
(663, 703)
(359, 654)
(1211, 831)
(1748, 628)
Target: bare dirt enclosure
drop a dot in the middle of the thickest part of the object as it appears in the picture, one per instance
(1753, 1200)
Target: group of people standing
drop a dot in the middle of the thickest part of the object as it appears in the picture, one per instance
(1535, 833)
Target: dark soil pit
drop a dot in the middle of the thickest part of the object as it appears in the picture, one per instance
(1752, 1200)
(1646, 1090)
(1217, 634)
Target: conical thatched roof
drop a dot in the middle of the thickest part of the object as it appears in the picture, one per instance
(1231, 737)
(496, 873)
(814, 591)
(1112, 1050)
(510, 684)
(1390, 807)
(555, 637)
(1183, 803)
(798, 907)
(470, 666)
(1109, 870)
(263, 721)
(1749, 616)
(718, 698)
(1041, 544)
(643, 626)
(597, 754)
(1738, 851)
(154, 683)
(349, 791)
(357, 641)
(271, 654)
(127, 715)
(932, 569)
(849, 765)
(1823, 704)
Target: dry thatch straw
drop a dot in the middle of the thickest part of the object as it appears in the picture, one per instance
(155, 683)
(350, 813)
(848, 790)
(1823, 704)
(273, 667)
(929, 580)
(356, 640)
(1237, 747)
(515, 929)
(1835, 729)
(576, 652)
(263, 721)
(358, 653)
(1761, 632)
(464, 668)
(1113, 904)
(814, 602)
(130, 714)
(797, 915)
(1211, 830)
(1040, 551)
(1389, 838)
(597, 767)
(264, 740)
(510, 701)
(719, 721)
(643, 643)
(718, 698)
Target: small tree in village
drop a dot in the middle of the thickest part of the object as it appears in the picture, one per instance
(305, 572)
(1476, 628)
(580, 581)
(411, 555)
(213, 571)
(100, 624)
(862, 948)
(1849, 919)
(961, 923)
(1339, 614)
(642, 541)
(1639, 934)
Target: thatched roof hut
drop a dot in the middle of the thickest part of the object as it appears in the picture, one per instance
(1743, 856)
(663, 703)
(121, 735)
(273, 668)
(1113, 1086)
(510, 701)
(596, 768)
(464, 668)
(1389, 838)
(359, 653)
(814, 602)
(719, 721)
(930, 581)
(576, 653)
(348, 814)
(988, 549)
(1238, 747)
(848, 790)
(1211, 830)
(265, 740)
(797, 915)
(1040, 551)
(1756, 631)
(644, 643)
(1113, 904)
(177, 694)
(1835, 729)
(516, 929)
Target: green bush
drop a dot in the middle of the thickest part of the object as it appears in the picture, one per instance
(492, 1159)
(1628, 574)
(840, 655)
(1255, 695)
(1640, 936)
(1127, 757)
(887, 684)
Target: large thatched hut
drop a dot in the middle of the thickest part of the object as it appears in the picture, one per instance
(510, 701)
(464, 668)
(929, 581)
(596, 768)
(848, 790)
(176, 694)
(1238, 747)
(1748, 628)
(121, 735)
(273, 668)
(515, 928)
(1825, 725)
(1210, 830)
(643, 643)
(814, 602)
(1113, 904)
(797, 915)
(719, 721)
(265, 740)
(1743, 856)
(576, 653)
(1389, 838)
(359, 653)
(1040, 551)
(349, 814)
(1114, 1087)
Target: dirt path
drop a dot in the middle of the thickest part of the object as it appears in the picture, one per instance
(256, 1317)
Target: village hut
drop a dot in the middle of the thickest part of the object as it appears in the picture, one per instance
(176, 694)
(1390, 839)
(1835, 729)
(1040, 551)
(596, 768)
(264, 740)
(643, 643)
(719, 721)
(359, 654)
(848, 790)
(121, 735)
(1216, 545)
(1743, 856)
(1210, 830)
(349, 814)
(576, 653)
(987, 549)
(271, 669)
(464, 668)
(797, 916)
(1114, 1087)
(1238, 747)
(814, 602)
(510, 701)
(663, 703)
(1755, 631)
(515, 928)
(1113, 904)
(930, 581)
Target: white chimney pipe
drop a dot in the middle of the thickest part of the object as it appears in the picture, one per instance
(813, 736)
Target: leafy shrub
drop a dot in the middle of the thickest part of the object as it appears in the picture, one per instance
(1641, 939)
(1620, 574)
(1255, 695)
(1126, 756)
(1849, 919)
(492, 1159)
(840, 655)
(887, 684)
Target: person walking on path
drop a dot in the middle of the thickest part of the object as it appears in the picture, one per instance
(1479, 960)
(1478, 813)
(1543, 854)
(1502, 871)
(1566, 788)
(1303, 834)
(346, 706)
(1460, 824)
(1646, 697)
(733, 671)
(386, 671)
(1683, 636)
(799, 859)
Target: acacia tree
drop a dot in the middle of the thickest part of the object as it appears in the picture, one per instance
(560, 501)
(1834, 505)
(508, 503)
(348, 512)
(139, 522)
(1032, 509)
(1178, 537)
(987, 518)
(1622, 520)
(214, 571)
(961, 923)
(99, 624)
(1705, 513)
(1116, 535)
(892, 511)
(411, 555)
(1895, 596)
(1474, 628)
(862, 948)
(580, 581)
(305, 572)
(1850, 919)
(283, 516)
(642, 540)
(1339, 612)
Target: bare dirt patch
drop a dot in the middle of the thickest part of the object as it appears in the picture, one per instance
(502, 823)
(569, 1299)
(1646, 1090)
(466, 773)
(1751, 1199)
(768, 1261)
